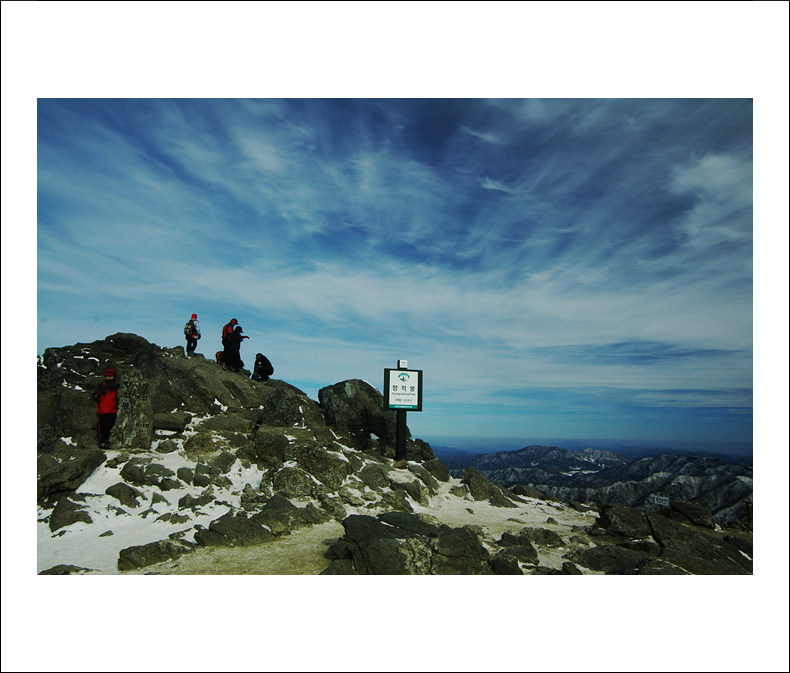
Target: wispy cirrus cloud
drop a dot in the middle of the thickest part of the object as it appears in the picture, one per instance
(570, 244)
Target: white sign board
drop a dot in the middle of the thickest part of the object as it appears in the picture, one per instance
(403, 389)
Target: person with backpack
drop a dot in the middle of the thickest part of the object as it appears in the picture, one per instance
(227, 330)
(232, 355)
(263, 368)
(192, 333)
(106, 398)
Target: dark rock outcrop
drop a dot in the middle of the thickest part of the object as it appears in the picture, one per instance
(481, 488)
(139, 556)
(356, 410)
(67, 476)
(404, 544)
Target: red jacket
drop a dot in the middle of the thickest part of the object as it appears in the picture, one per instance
(106, 397)
(227, 330)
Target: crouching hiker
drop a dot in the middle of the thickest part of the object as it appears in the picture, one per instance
(263, 368)
(106, 398)
(192, 333)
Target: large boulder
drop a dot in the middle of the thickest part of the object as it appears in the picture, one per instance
(233, 530)
(691, 512)
(619, 520)
(356, 410)
(69, 475)
(396, 543)
(329, 467)
(134, 427)
(696, 549)
(480, 488)
(143, 555)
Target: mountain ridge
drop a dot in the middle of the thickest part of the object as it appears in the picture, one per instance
(591, 475)
(203, 458)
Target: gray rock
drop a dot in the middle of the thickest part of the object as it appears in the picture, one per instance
(569, 568)
(204, 475)
(414, 489)
(191, 502)
(124, 493)
(356, 410)
(326, 466)
(134, 426)
(425, 477)
(458, 551)
(374, 475)
(281, 516)
(647, 546)
(691, 512)
(528, 491)
(134, 472)
(167, 446)
(611, 559)
(174, 422)
(200, 446)
(286, 406)
(696, 550)
(523, 551)
(438, 469)
(623, 521)
(69, 475)
(334, 507)
(270, 445)
(294, 482)
(140, 556)
(67, 512)
(233, 530)
(417, 524)
(503, 563)
(238, 422)
(481, 488)
(340, 567)
(222, 462)
(63, 569)
(186, 474)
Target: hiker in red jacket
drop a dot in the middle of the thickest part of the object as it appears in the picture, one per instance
(231, 358)
(106, 398)
(227, 330)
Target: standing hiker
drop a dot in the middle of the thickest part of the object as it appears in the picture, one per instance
(106, 398)
(192, 333)
(232, 356)
(263, 368)
(227, 330)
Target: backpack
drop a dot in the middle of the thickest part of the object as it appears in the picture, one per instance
(189, 329)
(218, 356)
(227, 330)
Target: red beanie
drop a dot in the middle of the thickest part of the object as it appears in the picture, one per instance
(194, 316)
(109, 372)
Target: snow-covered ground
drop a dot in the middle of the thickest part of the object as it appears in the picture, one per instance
(115, 527)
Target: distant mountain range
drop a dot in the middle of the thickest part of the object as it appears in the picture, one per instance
(594, 475)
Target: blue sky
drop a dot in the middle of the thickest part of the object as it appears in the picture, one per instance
(561, 267)
(557, 267)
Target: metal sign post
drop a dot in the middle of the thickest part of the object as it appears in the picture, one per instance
(402, 393)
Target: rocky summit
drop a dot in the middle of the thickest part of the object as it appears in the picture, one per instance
(210, 472)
